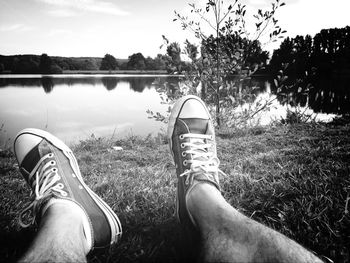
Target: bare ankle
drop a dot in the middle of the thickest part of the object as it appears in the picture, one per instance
(67, 213)
(202, 202)
(60, 235)
(202, 191)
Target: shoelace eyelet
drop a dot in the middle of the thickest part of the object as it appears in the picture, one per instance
(182, 145)
(181, 137)
(183, 154)
(44, 182)
(184, 162)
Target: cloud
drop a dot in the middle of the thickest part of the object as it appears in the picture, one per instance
(15, 27)
(63, 13)
(59, 32)
(95, 6)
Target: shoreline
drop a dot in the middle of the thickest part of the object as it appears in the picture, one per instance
(96, 72)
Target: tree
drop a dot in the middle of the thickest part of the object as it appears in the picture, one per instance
(55, 69)
(317, 70)
(45, 64)
(25, 65)
(149, 63)
(229, 48)
(175, 64)
(136, 61)
(108, 63)
(174, 51)
(160, 62)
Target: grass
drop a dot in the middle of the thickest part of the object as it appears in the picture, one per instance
(293, 178)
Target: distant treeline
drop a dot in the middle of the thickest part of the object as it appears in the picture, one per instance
(315, 70)
(44, 64)
(325, 53)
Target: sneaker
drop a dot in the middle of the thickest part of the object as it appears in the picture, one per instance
(191, 138)
(52, 172)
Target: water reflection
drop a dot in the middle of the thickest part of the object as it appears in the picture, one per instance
(74, 107)
(326, 92)
(137, 84)
(47, 84)
(323, 92)
(109, 83)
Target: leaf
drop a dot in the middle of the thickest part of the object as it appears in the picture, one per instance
(282, 4)
(276, 82)
(165, 39)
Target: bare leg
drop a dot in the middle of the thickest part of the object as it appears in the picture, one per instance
(60, 237)
(229, 236)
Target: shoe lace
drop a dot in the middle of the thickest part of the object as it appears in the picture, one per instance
(203, 161)
(43, 185)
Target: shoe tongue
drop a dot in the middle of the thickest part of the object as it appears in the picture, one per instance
(197, 126)
(34, 155)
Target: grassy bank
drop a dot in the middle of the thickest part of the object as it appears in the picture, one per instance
(294, 179)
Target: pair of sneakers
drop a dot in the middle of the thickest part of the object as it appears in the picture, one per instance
(52, 172)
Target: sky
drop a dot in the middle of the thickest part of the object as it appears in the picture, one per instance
(95, 27)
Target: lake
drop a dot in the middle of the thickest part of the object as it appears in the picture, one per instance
(73, 107)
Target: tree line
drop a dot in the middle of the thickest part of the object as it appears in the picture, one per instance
(325, 53)
(45, 64)
(314, 71)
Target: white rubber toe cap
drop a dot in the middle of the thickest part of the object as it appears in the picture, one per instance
(193, 108)
(24, 143)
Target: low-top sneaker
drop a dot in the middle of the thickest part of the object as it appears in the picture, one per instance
(191, 139)
(52, 173)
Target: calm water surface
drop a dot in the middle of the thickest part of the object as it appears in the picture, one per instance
(75, 107)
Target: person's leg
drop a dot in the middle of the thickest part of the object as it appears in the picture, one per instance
(72, 220)
(226, 234)
(60, 237)
(229, 236)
